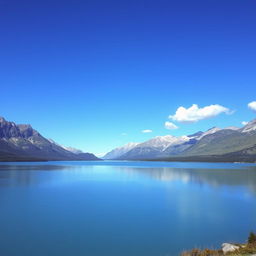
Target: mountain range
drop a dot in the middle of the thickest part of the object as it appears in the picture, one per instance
(20, 142)
(230, 144)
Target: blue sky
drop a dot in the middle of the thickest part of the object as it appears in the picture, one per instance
(85, 72)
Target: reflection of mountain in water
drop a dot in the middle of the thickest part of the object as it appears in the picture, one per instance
(35, 174)
(23, 175)
(33, 167)
(214, 177)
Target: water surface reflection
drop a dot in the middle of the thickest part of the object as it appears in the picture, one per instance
(123, 208)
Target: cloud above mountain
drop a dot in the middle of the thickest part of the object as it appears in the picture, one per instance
(170, 126)
(252, 106)
(146, 131)
(194, 113)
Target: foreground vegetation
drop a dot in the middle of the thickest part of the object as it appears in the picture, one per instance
(244, 249)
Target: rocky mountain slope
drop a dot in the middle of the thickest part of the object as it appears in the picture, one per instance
(226, 141)
(22, 142)
(154, 148)
(118, 152)
(229, 144)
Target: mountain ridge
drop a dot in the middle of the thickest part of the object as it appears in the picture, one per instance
(230, 142)
(21, 141)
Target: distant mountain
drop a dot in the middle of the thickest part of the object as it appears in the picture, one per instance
(73, 150)
(228, 144)
(70, 149)
(154, 148)
(226, 141)
(160, 146)
(250, 127)
(117, 152)
(21, 142)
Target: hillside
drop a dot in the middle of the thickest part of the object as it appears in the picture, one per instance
(20, 142)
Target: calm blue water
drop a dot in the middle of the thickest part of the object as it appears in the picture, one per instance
(123, 208)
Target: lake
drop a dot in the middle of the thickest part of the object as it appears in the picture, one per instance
(123, 208)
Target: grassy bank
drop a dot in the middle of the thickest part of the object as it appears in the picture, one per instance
(244, 249)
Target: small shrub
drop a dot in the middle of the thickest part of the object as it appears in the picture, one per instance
(252, 238)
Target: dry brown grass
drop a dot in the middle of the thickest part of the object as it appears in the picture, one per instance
(206, 252)
(249, 249)
(245, 250)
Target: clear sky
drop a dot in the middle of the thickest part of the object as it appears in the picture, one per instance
(94, 74)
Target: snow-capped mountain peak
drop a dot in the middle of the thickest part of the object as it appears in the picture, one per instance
(251, 126)
(117, 152)
(208, 132)
(234, 128)
(163, 142)
(168, 145)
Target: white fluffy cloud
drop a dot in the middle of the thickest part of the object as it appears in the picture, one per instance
(252, 106)
(194, 113)
(146, 131)
(170, 126)
(244, 123)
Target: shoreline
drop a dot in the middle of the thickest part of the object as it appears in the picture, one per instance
(231, 249)
(178, 159)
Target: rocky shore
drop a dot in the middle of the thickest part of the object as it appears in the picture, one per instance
(232, 249)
